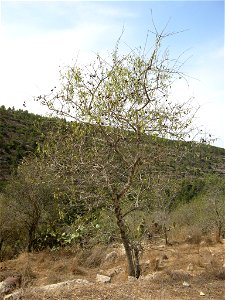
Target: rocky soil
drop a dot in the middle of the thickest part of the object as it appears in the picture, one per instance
(175, 272)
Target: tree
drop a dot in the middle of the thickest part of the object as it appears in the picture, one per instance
(214, 199)
(36, 200)
(164, 192)
(25, 200)
(119, 106)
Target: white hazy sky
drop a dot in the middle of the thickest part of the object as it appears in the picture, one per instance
(39, 36)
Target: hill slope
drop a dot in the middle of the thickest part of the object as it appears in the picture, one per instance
(20, 132)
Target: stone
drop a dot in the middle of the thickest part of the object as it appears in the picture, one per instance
(186, 284)
(56, 285)
(5, 288)
(14, 296)
(64, 284)
(18, 294)
(103, 278)
(82, 281)
(13, 281)
(2, 287)
(202, 294)
(190, 267)
(203, 243)
(59, 285)
(9, 284)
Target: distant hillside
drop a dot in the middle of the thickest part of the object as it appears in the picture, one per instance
(20, 131)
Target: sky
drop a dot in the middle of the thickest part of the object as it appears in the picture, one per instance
(39, 37)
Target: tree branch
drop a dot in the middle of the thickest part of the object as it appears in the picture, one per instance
(130, 177)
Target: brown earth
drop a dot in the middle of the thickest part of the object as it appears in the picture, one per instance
(175, 272)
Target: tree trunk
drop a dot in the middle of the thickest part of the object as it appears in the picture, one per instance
(165, 234)
(1, 244)
(124, 237)
(136, 261)
(219, 226)
(31, 235)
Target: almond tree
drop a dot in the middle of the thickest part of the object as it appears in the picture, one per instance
(119, 105)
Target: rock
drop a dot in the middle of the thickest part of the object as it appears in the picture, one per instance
(190, 267)
(103, 278)
(18, 294)
(2, 287)
(5, 289)
(9, 284)
(186, 284)
(63, 284)
(82, 281)
(203, 243)
(201, 294)
(57, 285)
(14, 296)
(14, 281)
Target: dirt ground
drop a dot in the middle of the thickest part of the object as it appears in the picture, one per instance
(177, 272)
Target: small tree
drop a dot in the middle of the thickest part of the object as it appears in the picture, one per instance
(120, 105)
(164, 192)
(34, 197)
(215, 204)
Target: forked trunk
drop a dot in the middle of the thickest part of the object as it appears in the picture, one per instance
(130, 254)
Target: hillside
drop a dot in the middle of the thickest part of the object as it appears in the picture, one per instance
(20, 131)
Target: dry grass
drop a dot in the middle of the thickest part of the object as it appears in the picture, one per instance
(78, 270)
(164, 282)
(92, 258)
(179, 275)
